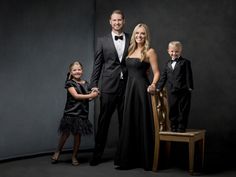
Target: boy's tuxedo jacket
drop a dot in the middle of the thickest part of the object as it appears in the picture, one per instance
(178, 79)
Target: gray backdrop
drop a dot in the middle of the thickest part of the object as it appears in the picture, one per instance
(39, 39)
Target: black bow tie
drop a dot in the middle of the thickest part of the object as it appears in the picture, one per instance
(175, 60)
(118, 37)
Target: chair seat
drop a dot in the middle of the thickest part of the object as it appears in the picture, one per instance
(189, 132)
(189, 135)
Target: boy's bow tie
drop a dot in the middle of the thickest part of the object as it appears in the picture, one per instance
(174, 60)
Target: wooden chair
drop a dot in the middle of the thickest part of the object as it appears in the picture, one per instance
(163, 133)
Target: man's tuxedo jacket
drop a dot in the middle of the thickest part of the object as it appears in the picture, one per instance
(107, 64)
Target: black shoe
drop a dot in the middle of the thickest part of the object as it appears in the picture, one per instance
(181, 130)
(173, 129)
(55, 158)
(95, 161)
(54, 161)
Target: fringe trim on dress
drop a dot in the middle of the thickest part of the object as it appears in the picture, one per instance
(75, 125)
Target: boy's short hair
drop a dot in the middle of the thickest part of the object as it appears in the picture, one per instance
(177, 44)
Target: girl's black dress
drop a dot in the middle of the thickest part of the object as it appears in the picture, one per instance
(75, 117)
(136, 144)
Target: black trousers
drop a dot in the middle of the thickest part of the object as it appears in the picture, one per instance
(179, 107)
(108, 104)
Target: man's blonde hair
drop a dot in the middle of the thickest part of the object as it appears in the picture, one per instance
(117, 11)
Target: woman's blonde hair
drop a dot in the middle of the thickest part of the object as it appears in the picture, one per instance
(133, 44)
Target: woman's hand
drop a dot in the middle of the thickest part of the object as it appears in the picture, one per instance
(151, 88)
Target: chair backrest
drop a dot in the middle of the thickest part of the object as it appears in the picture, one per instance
(160, 116)
(160, 111)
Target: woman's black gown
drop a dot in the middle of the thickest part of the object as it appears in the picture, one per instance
(136, 144)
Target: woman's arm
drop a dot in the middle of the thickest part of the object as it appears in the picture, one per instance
(153, 60)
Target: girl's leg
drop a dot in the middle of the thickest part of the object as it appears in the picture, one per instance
(61, 143)
(77, 139)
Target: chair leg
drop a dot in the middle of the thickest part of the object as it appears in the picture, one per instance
(202, 150)
(156, 155)
(167, 152)
(191, 156)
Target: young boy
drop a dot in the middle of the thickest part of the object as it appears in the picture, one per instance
(177, 76)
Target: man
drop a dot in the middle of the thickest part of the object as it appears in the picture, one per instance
(109, 65)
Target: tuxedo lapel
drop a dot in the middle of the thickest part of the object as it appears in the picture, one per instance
(178, 62)
(169, 65)
(126, 47)
(111, 43)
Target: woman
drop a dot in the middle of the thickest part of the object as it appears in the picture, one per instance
(136, 144)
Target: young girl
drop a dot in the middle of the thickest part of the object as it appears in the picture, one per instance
(75, 118)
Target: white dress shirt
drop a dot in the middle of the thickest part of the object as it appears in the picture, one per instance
(119, 44)
(173, 64)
